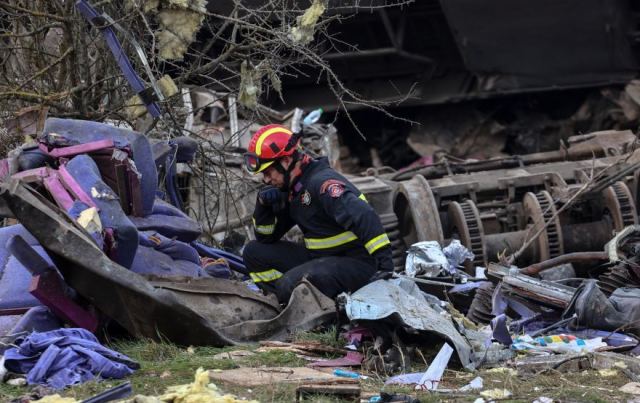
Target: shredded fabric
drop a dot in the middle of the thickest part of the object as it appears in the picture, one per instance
(65, 357)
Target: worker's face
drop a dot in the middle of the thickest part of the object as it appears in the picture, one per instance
(271, 176)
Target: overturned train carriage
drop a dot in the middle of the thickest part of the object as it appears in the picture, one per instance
(586, 192)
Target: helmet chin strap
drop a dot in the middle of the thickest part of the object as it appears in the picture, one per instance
(287, 172)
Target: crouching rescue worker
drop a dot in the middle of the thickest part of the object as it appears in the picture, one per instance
(345, 245)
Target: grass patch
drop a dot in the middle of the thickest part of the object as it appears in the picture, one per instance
(8, 392)
(273, 358)
(329, 337)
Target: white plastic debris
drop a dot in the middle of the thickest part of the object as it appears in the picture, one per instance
(429, 259)
(494, 394)
(433, 374)
(456, 254)
(475, 384)
(632, 388)
(425, 258)
(480, 272)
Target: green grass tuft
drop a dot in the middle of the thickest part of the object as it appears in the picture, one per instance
(274, 358)
(329, 337)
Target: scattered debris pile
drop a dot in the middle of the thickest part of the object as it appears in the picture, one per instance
(91, 241)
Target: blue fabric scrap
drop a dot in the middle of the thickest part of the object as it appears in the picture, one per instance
(66, 357)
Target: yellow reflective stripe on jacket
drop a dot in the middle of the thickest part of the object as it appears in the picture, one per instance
(362, 197)
(330, 242)
(264, 229)
(377, 243)
(265, 276)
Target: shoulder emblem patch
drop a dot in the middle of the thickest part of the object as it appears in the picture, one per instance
(334, 187)
(335, 190)
(305, 198)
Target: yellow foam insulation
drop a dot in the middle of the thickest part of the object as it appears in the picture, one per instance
(306, 23)
(178, 3)
(56, 399)
(179, 23)
(250, 88)
(147, 5)
(134, 107)
(90, 220)
(200, 391)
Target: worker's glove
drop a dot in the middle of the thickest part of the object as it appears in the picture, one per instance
(272, 196)
(384, 265)
(384, 259)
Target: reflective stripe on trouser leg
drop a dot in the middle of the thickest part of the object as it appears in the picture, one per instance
(265, 276)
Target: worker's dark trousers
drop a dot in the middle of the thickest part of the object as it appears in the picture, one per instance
(331, 275)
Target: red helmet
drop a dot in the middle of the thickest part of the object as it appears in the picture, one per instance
(268, 144)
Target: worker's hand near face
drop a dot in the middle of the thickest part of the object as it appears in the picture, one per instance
(272, 196)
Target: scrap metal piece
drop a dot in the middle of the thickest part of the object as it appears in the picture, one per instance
(401, 302)
(536, 268)
(612, 247)
(307, 308)
(106, 25)
(545, 292)
(206, 295)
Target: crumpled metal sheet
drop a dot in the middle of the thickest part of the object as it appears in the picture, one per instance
(400, 300)
(224, 302)
(594, 310)
(307, 309)
(155, 312)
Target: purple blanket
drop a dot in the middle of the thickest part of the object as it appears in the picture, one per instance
(65, 357)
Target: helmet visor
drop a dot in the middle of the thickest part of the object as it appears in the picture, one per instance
(255, 164)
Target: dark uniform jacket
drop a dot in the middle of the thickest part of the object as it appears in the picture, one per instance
(333, 215)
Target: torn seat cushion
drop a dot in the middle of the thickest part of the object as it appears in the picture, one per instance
(15, 279)
(170, 222)
(32, 157)
(85, 171)
(162, 256)
(68, 132)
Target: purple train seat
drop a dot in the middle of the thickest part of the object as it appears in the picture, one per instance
(15, 279)
(85, 172)
(170, 222)
(70, 132)
(162, 256)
